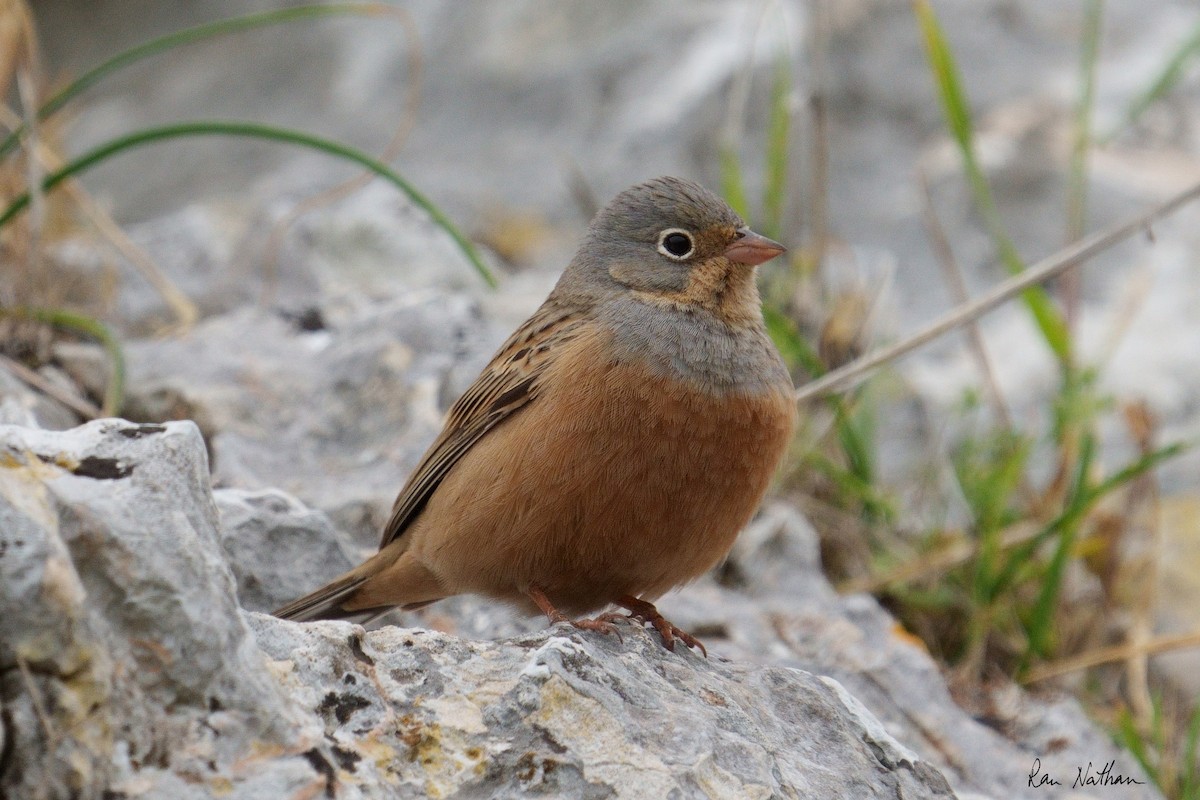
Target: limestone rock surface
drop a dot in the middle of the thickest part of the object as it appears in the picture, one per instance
(128, 668)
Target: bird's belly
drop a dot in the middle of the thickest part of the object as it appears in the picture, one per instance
(617, 483)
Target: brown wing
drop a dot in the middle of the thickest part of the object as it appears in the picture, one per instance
(507, 384)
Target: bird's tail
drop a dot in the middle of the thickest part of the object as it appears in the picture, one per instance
(356, 597)
(326, 602)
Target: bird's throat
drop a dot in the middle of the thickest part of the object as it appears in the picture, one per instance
(720, 287)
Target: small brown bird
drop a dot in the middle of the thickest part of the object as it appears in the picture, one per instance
(615, 445)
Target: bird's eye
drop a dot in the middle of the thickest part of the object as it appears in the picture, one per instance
(675, 244)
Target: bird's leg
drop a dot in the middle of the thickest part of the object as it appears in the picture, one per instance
(538, 596)
(646, 612)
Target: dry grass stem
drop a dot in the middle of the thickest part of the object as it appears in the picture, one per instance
(955, 554)
(818, 188)
(852, 373)
(1108, 655)
(182, 307)
(1140, 572)
(77, 404)
(958, 287)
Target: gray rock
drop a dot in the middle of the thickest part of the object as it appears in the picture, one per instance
(12, 412)
(123, 658)
(371, 242)
(582, 716)
(277, 547)
(778, 609)
(193, 247)
(86, 364)
(335, 412)
(337, 415)
(21, 404)
(126, 667)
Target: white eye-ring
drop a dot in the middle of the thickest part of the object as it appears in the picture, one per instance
(676, 244)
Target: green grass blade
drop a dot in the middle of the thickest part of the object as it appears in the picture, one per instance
(792, 345)
(778, 132)
(855, 436)
(1167, 77)
(1136, 469)
(874, 505)
(1019, 556)
(945, 74)
(1128, 735)
(989, 473)
(1189, 785)
(1081, 500)
(255, 131)
(733, 187)
(1050, 322)
(1041, 620)
(184, 37)
(1082, 134)
(114, 392)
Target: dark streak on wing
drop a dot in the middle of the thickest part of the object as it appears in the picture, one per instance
(507, 384)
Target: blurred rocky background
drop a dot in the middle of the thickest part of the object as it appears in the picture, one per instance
(316, 340)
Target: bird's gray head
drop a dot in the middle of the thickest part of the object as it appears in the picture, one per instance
(653, 237)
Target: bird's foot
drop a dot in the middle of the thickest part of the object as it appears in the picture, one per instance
(603, 623)
(645, 612)
(598, 624)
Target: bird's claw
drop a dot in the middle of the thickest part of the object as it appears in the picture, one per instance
(645, 612)
(600, 624)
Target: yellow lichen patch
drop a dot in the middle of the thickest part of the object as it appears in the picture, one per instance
(87, 690)
(64, 461)
(491, 691)
(598, 739)
(259, 751)
(23, 486)
(61, 588)
(220, 786)
(380, 753)
(73, 707)
(445, 757)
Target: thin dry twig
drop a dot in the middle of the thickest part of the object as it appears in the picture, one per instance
(1142, 519)
(958, 286)
(27, 91)
(818, 188)
(21, 64)
(953, 555)
(1108, 655)
(184, 309)
(852, 373)
(16, 28)
(580, 189)
(77, 404)
(1132, 299)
